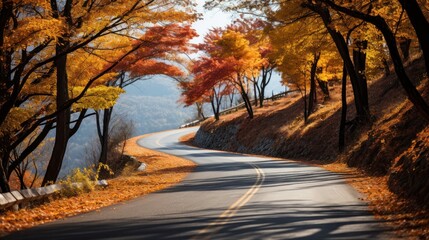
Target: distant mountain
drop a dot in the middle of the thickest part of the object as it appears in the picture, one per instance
(153, 106)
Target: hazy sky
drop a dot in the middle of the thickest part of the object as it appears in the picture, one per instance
(211, 19)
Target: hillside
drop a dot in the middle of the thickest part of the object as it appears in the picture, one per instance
(395, 146)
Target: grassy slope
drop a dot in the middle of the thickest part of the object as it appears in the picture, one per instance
(393, 150)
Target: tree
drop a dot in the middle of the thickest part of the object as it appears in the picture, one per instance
(26, 36)
(37, 45)
(244, 62)
(420, 25)
(208, 85)
(254, 32)
(304, 50)
(359, 87)
(381, 24)
(158, 56)
(230, 61)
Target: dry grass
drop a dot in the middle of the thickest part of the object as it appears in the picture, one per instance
(403, 216)
(162, 171)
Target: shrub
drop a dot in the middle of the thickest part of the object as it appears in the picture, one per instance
(82, 180)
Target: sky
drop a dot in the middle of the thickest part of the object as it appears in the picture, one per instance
(210, 19)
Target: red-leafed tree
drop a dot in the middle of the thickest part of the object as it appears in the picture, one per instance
(160, 55)
(231, 62)
(210, 84)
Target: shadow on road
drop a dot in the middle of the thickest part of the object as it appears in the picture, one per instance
(281, 174)
(255, 221)
(269, 214)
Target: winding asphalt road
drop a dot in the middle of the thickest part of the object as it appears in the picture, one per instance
(228, 196)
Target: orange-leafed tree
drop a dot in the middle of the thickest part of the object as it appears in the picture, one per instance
(253, 29)
(53, 57)
(160, 55)
(243, 60)
(230, 61)
(126, 20)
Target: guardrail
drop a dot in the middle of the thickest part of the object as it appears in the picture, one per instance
(238, 107)
(22, 198)
(191, 124)
(280, 95)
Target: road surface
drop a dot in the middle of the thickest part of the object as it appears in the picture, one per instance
(228, 196)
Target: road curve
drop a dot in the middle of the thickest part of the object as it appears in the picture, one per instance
(228, 196)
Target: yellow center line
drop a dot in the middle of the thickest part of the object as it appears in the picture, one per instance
(158, 143)
(215, 226)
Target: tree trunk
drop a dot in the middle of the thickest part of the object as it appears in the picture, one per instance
(343, 50)
(248, 105)
(404, 45)
(215, 112)
(323, 85)
(312, 96)
(342, 132)
(255, 94)
(200, 111)
(304, 97)
(104, 138)
(62, 131)
(267, 73)
(231, 99)
(4, 183)
(421, 26)
(359, 60)
(6, 14)
(413, 95)
(246, 100)
(386, 67)
(261, 90)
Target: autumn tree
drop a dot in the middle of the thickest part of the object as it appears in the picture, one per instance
(254, 31)
(381, 24)
(243, 60)
(160, 55)
(230, 61)
(209, 84)
(420, 24)
(24, 43)
(291, 11)
(125, 15)
(38, 42)
(306, 56)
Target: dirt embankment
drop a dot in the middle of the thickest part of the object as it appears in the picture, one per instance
(394, 146)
